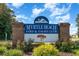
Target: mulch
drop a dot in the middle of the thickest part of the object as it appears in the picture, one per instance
(60, 54)
(66, 54)
(28, 54)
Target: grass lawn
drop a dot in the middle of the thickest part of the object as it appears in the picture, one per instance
(4, 42)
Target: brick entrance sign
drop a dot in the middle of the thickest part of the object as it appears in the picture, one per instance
(53, 32)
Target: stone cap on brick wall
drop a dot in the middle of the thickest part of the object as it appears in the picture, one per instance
(17, 24)
(64, 23)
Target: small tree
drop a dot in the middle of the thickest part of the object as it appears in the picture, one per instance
(77, 21)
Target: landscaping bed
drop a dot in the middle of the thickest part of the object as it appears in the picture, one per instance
(40, 49)
(60, 54)
(66, 54)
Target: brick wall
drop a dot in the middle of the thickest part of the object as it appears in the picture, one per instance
(17, 33)
(64, 31)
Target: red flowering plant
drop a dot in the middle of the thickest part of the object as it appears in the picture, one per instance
(41, 37)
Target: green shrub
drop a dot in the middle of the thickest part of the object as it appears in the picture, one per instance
(65, 46)
(25, 46)
(76, 52)
(39, 43)
(36, 44)
(2, 44)
(45, 50)
(14, 52)
(28, 46)
(20, 45)
(58, 44)
(2, 50)
(8, 45)
(76, 45)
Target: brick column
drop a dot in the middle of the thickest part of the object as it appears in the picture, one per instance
(64, 34)
(17, 33)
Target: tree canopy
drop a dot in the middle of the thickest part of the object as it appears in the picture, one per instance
(6, 19)
(77, 21)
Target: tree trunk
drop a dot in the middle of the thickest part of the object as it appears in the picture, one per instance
(5, 36)
(78, 32)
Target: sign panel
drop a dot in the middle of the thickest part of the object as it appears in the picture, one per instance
(41, 29)
(48, 38)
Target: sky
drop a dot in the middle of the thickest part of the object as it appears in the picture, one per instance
(55, 12)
